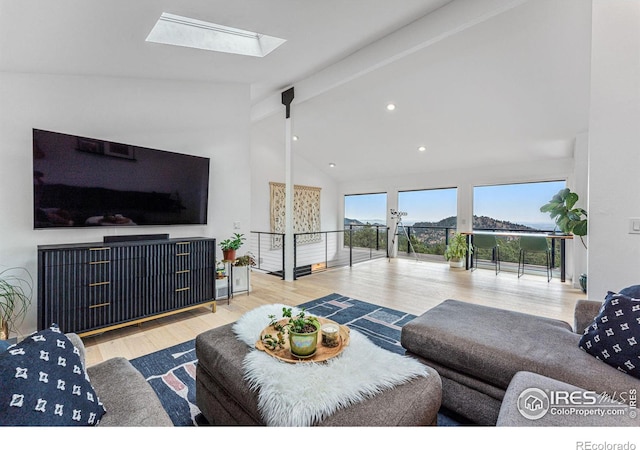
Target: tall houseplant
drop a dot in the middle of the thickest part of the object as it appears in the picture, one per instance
(457, 250)
(567, 218)
(16, 289)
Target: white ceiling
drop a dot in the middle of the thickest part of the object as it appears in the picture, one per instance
(476, 81)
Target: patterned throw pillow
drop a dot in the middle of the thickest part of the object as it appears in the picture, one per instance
(614, 335)
(44, 383)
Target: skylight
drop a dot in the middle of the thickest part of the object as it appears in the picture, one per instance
(185, 32)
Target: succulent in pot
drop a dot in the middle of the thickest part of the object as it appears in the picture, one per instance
(302, 330)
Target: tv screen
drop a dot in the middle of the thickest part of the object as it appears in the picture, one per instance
(85, 182)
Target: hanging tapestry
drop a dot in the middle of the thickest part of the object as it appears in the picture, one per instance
(306, 213)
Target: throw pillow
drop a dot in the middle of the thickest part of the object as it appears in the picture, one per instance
(4, 344)
(614, 335)
(631, 291)
(44, 383)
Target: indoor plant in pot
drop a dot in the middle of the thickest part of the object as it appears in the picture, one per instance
(302, 330)
(457, 250)
(229, 246)
(568, 219)
(15, 297)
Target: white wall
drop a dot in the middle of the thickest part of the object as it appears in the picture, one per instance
(614, 147)
(267, 164)
(201, 119)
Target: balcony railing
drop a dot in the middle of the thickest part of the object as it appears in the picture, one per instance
(510, 250)
(425, 240)
(319, 251)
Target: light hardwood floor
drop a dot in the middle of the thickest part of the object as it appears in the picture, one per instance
(403, 284)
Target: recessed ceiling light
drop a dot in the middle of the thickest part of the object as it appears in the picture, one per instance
(186, 32)
(295, 138)
(332, 164)
(422, 148)
(391, 107)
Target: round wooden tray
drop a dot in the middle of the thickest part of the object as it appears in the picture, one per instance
(322, 353)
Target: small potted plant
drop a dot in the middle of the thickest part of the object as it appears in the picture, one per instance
(245, 260)
(457, 250)
(302, 330)
(15, 298)
(229, 246)
(220, 270)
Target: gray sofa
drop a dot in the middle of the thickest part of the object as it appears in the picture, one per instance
(127, 397)
(482, 354)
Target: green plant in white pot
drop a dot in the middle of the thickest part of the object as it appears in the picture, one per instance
(16, 289)
(302, 330)
(457, 250)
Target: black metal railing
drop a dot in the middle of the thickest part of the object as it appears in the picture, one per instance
(318, 251)
(426, 240)
(510, 250)
(268, 252)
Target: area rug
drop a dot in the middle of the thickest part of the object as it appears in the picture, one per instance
(171, 372)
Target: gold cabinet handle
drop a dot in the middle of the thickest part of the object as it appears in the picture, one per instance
(182, 271)
(101, 283)
(183, 289)
(99, 262)
(183, 254)
(99, 249)
(99, 305)
(183, 243)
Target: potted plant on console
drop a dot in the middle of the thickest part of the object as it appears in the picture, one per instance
(457, 250)
(229, 246)
(15, 297)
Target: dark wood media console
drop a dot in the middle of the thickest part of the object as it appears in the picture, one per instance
(91, 288)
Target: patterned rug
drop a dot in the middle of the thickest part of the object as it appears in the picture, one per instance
(172, 371)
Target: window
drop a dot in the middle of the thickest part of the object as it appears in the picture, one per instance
(365, 216)
(363, 209)
(514, 206)
(431, 218)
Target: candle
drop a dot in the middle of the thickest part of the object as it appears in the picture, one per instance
(330, 334)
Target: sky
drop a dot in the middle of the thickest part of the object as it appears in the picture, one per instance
(518, 203)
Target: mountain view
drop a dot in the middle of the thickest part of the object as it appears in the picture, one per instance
(429, 237)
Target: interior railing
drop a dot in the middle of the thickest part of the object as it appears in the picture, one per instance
(318, 251)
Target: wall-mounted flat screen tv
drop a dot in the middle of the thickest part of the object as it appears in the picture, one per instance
(85, 182)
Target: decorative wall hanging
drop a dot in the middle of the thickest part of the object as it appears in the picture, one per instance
(306, 213)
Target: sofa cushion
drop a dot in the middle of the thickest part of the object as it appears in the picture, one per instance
(493, 344)
(44, 383)
(129, 398)
(614, 335)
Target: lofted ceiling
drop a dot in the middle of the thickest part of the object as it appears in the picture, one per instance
(477, 82)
